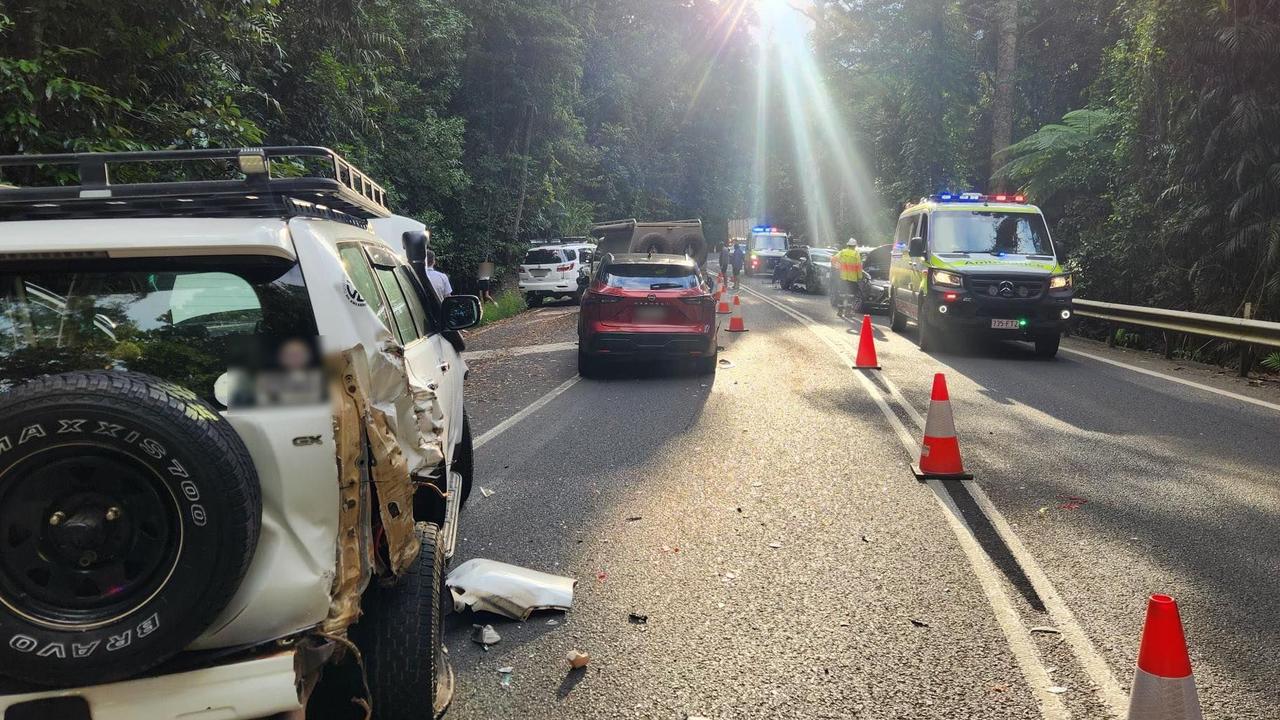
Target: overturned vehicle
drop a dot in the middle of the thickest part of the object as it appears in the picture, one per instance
(233, 442)
(672, 237)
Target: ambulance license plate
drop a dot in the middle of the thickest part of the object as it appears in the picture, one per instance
(997, 324)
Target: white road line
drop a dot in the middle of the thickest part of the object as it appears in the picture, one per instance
(1171, 378)
(1016, 634)
(533, 407)
(520, 350)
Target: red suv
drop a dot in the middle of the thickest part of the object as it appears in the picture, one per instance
(646, 306)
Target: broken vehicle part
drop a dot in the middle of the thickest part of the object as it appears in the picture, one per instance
(508, 590)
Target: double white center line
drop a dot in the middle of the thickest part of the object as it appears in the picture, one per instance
(1016, 633)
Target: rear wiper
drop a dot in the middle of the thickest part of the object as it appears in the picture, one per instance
(664, 286)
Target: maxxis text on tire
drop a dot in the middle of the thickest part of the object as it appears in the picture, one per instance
(129, 512)
(400, 636)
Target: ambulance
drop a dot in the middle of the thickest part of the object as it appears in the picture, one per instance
(977, 264)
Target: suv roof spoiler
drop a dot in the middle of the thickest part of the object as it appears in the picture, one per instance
(333, 189)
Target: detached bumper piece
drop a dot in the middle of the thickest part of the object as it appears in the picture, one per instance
(258, 688)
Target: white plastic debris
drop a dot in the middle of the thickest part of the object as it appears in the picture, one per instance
(486, 491)
(508, 590)
(1056, 689)
(485, 635)
(775, 545)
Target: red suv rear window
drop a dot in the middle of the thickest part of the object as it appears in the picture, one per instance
(641, 276)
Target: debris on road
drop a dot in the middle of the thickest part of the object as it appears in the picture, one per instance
(485, 635)
(508, 590)
(601, 576)
(486, 491)
(1046, 629)
(635, 518)
(919, 623)
(1072, 502)
(1056, 689)
(505, 673)
(866, 538)
(637, 618)
(725, 363)
(577, 659)
(775, 545)
(553, 621)
(730, 576)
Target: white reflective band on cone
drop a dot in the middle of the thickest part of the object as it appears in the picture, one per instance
(940, 423)
(1157, 698)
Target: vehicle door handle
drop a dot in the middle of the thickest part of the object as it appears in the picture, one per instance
(444, 367)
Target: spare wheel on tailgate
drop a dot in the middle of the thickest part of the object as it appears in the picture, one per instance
(129, 512)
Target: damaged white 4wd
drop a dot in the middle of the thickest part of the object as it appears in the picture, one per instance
(233, 442)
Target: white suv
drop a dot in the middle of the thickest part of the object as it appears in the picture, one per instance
(551, 271)
(186, 494)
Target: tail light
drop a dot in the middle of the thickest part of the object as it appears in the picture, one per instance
(594, 298)
(565, 268)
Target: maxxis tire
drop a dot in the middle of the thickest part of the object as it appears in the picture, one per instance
(400, 636)
(187, 513)
(1047, 346)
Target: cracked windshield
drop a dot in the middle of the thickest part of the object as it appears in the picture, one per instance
(659, 359)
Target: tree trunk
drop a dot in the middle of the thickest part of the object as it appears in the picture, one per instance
(529, 112)
(1006, 19)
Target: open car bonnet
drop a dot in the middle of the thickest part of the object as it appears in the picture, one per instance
(508, 589)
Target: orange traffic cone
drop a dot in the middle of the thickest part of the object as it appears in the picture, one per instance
(940, 452)
(866, 359)
(736, 301)
(735, 322)
(723, 308)
(1163, 687)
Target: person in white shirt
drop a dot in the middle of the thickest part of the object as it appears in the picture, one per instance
(439, 280)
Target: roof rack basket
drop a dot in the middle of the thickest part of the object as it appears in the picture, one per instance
(333, 188)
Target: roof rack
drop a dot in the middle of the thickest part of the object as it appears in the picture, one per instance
(337, 190)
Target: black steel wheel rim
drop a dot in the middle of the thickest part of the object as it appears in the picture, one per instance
(88, 534)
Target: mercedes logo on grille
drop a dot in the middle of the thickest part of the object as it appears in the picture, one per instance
(1006, 289)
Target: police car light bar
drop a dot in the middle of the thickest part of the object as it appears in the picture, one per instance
(978, 197)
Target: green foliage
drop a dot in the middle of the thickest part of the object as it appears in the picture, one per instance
(505, 304)
(1271, 362)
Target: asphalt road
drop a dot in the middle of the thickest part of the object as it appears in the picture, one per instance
(665, 493)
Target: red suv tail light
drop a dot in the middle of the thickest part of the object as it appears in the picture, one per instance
(699, 300)
(594, 298)
(565, 268)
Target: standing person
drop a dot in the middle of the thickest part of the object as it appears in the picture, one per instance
(439, 280)
(484, 279)
(739, 258)
(849, 262)
(725, 254)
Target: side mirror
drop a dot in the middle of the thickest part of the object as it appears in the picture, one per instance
(462, 312)
(415, 250)
(915, 248)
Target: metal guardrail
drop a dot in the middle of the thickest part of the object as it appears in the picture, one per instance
(1260, 332)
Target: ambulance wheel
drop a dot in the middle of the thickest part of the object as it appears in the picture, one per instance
(897, 322)
(1047, 345)
(926, 330)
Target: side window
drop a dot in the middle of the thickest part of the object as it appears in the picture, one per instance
(903, 234)
(406, 328)
(923, 231)
(413, 293)
(362, 278)
(586, 255)
(570, 255)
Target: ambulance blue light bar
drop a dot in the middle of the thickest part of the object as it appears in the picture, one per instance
(979, 197)
(765, 229)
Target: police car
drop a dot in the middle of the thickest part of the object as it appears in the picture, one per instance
(978, 264)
